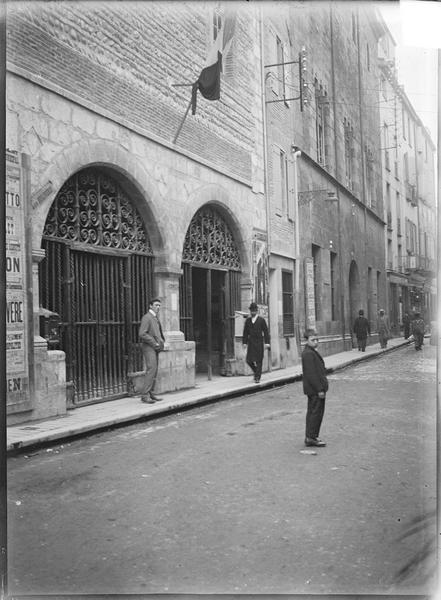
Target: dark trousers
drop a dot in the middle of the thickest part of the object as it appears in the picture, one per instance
(256, 367)
(361, 343)
(314, 416)
(419, 340)
(151, 369)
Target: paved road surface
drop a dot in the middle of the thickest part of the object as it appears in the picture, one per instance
(220, 499)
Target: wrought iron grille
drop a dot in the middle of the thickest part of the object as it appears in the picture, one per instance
(100, 295)
(92, 208)
(209, 241)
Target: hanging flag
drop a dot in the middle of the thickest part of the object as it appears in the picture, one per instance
(208, 82)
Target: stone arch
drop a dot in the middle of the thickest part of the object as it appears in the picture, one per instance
(217, 197)
(112, 157)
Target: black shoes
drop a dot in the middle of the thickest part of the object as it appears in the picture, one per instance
(147, 399)
(314, 442)
(257, 380)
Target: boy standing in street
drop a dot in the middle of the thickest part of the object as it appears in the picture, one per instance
(315, 386)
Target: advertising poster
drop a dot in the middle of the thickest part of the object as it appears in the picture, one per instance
(16, 299)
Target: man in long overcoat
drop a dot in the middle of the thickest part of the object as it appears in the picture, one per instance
(152, 343)
(361, 329)
(315, 386)
(256, 338)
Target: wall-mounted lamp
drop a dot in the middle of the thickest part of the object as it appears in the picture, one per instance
(295, 150)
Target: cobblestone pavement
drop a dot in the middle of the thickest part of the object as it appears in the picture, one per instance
(221, 499)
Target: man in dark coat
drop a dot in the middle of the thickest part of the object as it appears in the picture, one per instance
(406, 326)
(361, 329)
(315, 386)
(418, 329)
(256, 338)
(152, 343)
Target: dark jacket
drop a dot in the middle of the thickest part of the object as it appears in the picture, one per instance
(361, 327)
(314, 372)
(150, 332)
(418, 326)
(255, 335)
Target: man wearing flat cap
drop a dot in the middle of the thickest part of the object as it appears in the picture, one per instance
(256, 339)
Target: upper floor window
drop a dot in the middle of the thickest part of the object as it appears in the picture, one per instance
(288, 303)
(281, 67)
(321, 125)
(223, 22)
(370, 183)
(349, 153)
(403, 114)
(354, 27)
(280, 181)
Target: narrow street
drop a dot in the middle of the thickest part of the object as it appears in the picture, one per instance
(221, 499)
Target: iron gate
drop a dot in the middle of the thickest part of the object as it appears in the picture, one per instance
(98, 283)
(209, 244)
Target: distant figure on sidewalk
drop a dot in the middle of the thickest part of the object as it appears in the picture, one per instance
(361, 329)
(256, 339)
(383, 328)
(152, 343)
(315, 386)
(418, 330)
(406, 325)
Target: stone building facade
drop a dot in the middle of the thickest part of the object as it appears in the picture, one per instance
(120, 210)
(324, 166)
(117, 193)
(408, 163)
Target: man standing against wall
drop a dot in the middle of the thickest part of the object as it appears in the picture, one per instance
(152, 343)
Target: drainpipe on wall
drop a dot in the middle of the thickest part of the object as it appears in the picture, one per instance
(363, 157)
(334, 110)
(265, 166)
(296, 154)
(264, 127)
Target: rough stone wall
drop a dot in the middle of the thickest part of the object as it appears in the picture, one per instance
(81, 92)
(120, 59)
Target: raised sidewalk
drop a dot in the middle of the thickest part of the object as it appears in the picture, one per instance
(114, 413)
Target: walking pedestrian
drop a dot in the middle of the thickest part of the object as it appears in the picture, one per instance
(361, 329)
(418, 330)
(256, 338)
(406, 325)
(152, 343)
(383, 328)
(315, 386)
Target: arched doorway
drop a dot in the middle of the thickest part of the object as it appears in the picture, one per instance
(354, 293)
(210, 289)
(97, 275)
